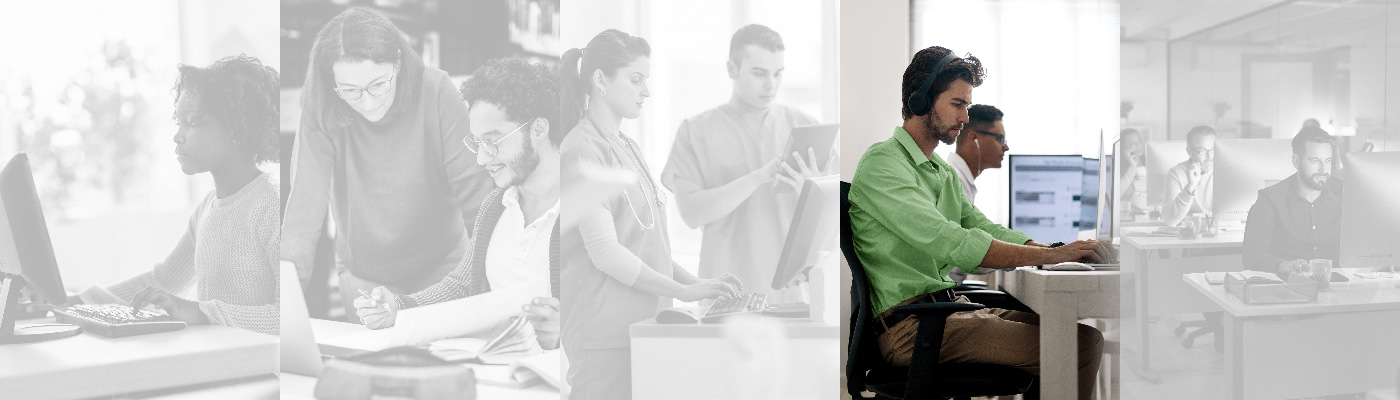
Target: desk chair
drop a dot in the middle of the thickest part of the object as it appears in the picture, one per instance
(866, 370)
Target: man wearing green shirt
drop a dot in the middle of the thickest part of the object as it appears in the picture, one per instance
(913, 225)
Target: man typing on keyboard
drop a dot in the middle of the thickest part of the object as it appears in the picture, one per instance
(913, 225)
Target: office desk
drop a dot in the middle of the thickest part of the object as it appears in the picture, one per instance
(294, 386)
(768, 358)
(1062, 298)
(1345, 342)
(1152, 286)
(168, 364)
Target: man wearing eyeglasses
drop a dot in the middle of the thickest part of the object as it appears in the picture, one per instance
(1190, 184)
(981, 146)
(511, 106)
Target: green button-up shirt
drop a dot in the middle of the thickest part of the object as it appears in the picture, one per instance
(913, 224)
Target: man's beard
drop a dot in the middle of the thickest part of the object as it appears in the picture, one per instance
(1317, 181)
(524, 164)
(943, 134)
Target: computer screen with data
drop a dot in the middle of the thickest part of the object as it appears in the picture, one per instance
(1089, 199)
(1045, 196)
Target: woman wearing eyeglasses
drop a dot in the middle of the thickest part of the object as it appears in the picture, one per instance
(380, 145)
(616, 258)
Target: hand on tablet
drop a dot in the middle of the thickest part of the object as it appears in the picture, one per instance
(806, 168)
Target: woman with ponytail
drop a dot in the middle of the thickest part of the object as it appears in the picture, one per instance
(616, 268)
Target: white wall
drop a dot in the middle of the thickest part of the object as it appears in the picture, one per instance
(874, 52)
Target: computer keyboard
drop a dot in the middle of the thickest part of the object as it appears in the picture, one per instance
(115, 320)
(743, 304)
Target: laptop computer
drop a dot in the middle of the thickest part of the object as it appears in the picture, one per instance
(299, 352)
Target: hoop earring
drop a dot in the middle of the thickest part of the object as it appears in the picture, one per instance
(604, 94)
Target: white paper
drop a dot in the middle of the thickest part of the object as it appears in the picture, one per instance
(461, 317)
(418, 326)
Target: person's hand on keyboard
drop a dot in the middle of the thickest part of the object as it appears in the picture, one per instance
(710, 289)
(176, 307)
(543, 313)
(377, 308)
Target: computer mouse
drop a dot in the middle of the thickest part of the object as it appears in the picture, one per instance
(676, 315)
(1070, 266)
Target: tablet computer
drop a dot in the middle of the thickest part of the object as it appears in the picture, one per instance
(820, 138)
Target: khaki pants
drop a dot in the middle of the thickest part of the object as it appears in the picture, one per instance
(993, 336)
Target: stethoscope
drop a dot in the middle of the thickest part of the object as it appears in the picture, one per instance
(640, 168)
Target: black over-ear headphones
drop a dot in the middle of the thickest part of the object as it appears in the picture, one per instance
(919, 102)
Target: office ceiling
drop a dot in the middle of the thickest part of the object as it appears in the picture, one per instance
(1305, 23)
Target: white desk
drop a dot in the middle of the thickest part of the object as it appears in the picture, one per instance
(1152, 285)
(294, 386)
(1062, 298)
(168, 364)
(1345, 342)
(770, 358)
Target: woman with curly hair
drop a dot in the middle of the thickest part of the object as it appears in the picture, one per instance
(227, 118)
(380, 147)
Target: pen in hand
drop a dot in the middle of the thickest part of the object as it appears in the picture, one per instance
(374, 302)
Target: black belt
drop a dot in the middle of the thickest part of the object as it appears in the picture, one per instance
(890, 319)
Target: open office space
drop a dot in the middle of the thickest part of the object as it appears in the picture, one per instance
(657, 199)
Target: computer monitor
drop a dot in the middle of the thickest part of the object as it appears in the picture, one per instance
(812, 229)
(1105, 209)
(1242, 168)
(26, 256)
(1370, 219)
(1089, 199)
(1160, 157)
(1045, 192)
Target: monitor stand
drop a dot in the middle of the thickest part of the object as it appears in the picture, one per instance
(792, 301)
(10, 312)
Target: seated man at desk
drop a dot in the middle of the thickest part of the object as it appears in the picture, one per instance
(970, 159)
(1190, 184)
(913, 226)
(512, 104)
(1299, 218)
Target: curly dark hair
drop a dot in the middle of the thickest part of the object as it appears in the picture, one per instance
(243, 94)
(967, 68)
(524, 91)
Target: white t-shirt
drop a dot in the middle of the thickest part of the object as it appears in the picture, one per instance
(519, 253)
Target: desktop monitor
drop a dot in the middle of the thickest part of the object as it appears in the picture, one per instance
(1045, 192)
(25, 250)
(1089, 200)
(1242, 168)
(1160, 157)
(1105, 209)
(812, 229)
(1370, 219)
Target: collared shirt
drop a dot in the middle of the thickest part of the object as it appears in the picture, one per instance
(519, 253)
(1283, 226)
(969, 184)
(913, 224)
(717, 147)
(1180, 202)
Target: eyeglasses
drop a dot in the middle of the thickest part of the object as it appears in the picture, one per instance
(999, 137)
(490, 147)
(1201, 151)
(375, 89)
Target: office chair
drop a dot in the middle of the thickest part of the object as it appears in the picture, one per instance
(925, 378)
(1210, 325)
